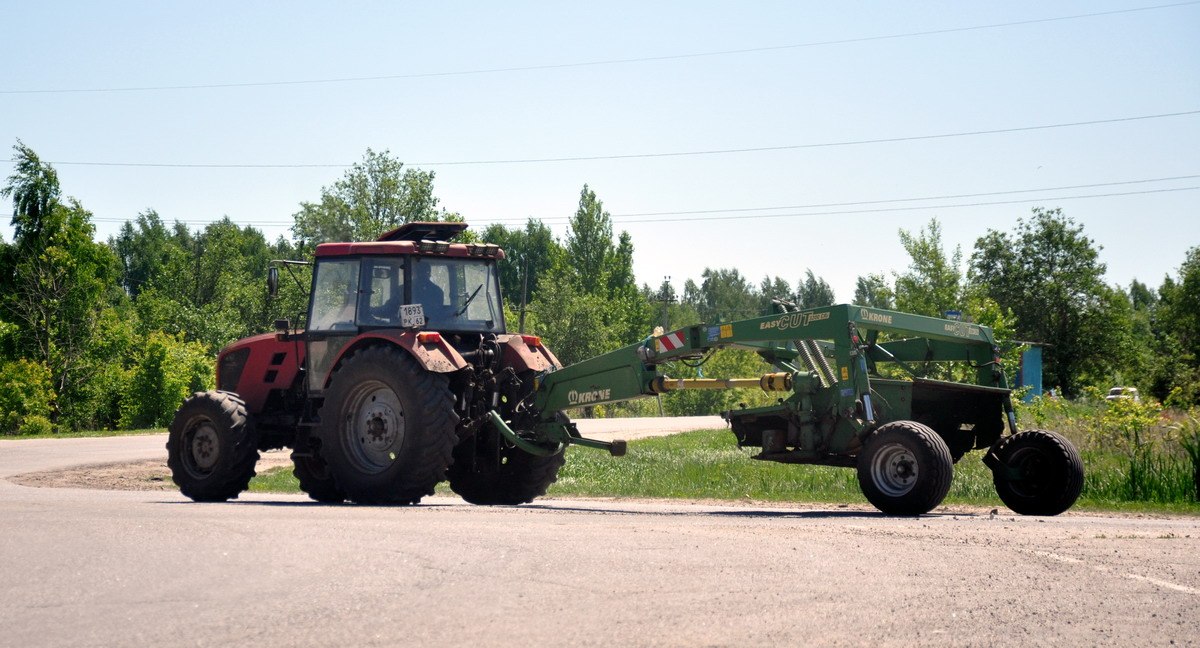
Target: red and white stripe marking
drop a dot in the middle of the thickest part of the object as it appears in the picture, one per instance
(670, 341)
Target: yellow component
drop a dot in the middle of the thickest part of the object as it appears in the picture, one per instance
(845, 373)
(776, 382)
(726, 330)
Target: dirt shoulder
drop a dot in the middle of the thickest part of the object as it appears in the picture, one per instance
(147, 475)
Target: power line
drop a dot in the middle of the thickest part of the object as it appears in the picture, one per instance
(618, 61)
(900, 209)
(632, 218)
(632, 156)
(564, 219)
(923, 198)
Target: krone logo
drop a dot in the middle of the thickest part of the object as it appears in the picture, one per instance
(583, 398)
(869, 316)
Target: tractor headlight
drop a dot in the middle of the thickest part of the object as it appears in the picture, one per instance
(229, 369)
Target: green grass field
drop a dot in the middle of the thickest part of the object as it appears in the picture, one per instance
(709, 465)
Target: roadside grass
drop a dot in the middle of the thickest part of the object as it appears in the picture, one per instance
(275, 480)
(79, 434)
(708, 465)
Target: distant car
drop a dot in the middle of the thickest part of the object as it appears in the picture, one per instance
(1123, 393)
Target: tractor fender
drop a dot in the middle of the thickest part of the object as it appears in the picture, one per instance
(434, 354)
(525, 352)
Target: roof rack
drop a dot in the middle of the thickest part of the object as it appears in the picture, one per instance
(424, 230)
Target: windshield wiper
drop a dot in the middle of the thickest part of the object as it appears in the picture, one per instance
(468, 302)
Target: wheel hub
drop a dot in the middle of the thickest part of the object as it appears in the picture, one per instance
(373, 431)
(894, 470)
(1031, 465)
(205, 446)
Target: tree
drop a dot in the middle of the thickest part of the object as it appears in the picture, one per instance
(211, 285)
(374, 196)
(873, 290)
(531, 251)
(1049, 275)
(773, 289)
(56, 278)
(813, 292)
(933, 283)
(589, 243)
(575, 324)
(145, 251)
(724, 295)
(603, 270)
(1175, 324)
(34, 190)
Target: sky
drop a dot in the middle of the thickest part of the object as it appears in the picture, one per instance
(806, 134)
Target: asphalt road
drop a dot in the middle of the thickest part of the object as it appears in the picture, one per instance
(114, 568)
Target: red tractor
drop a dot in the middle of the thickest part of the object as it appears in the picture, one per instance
(388, 389)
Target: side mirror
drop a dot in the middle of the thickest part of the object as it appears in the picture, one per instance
(272, 281)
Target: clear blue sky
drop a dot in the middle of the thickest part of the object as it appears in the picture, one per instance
(1062, 71)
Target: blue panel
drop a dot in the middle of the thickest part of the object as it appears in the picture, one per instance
(1030, 372)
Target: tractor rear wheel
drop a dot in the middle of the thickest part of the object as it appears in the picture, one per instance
(489, 470)
(316, 479)
(1039, 473)
(905, 468)
(212, 447)
(387, 427)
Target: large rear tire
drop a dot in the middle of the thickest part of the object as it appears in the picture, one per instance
(487, 470)
(1040, 473)
(387, 427)
(212, 447)
(316, 479)
(905, 468)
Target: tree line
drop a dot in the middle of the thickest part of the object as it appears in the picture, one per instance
(114, 334)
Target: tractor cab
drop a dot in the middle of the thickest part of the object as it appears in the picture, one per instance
(405, 280)
(411, 280)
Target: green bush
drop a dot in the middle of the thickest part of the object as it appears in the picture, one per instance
(1189, 438)
(36, 424)
(167, 370)
(25, 392)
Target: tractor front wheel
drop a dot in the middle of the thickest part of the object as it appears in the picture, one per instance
(387, 427)
(1038, 472)
(905, 468)
(212, 447)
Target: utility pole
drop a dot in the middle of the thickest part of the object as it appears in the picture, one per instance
(665, 299)
(524, 292)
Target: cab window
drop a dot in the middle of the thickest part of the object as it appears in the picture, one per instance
(335, 292)
(382, 291)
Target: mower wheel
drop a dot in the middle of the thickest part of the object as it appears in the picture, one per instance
(316, 479)
(387, 427)
(905, 468)
(1039, 472)
(212, 447)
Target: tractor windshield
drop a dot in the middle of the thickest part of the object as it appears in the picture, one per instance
(458, 294)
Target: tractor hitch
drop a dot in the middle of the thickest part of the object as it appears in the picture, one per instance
(570, 436)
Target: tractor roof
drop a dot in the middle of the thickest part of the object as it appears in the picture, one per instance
(416, 238)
